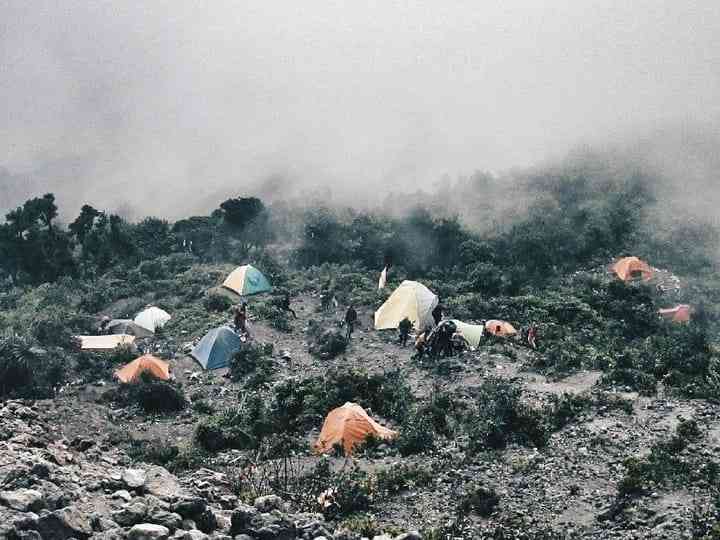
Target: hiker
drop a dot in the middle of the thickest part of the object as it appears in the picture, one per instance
(240, 318)
(404, 327)
(285, 305)
(420, 345)
(441, 340)
(459, 343)
(326, 296)
(104, 322)
(532, 336)
(437, 314)
(350, 320)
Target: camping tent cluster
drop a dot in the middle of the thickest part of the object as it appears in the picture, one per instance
(349, 426)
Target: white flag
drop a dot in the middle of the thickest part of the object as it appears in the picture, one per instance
(383, 279)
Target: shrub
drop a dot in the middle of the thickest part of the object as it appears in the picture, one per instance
(329, 344)
(416, 436)
(26, 372)
(480, 500)
(151, 395)
(217, 302)
(500, 417)
(251, 358)
(400, 477)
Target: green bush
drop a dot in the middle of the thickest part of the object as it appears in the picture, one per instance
(329, 344)
(251, 359)
(481, 500)
(26, 372)
(150, 395)
(217, 302)
(500, 418)
(416, 436)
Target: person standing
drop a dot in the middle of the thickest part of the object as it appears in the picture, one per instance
(437, 314)
(285, 305)
(240, 318)
(532, 336)
(350, 320)
(404, 329)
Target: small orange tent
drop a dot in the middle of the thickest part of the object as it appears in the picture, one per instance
(500, 328)
(153, 365)
(680, 313)
(632, 268)
(349, 425)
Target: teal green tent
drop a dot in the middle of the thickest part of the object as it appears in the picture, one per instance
(246, 280)
(216, 348)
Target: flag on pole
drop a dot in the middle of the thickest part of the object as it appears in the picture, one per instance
(383, 279)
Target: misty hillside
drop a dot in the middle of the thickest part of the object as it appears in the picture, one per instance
(604, 424)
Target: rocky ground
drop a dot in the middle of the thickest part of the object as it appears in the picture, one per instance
(61, 476)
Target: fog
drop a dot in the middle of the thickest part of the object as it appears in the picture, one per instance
(166, 107)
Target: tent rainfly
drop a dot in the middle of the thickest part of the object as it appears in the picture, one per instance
(680, 313)
(147, 363)
(247, 280)
(128, 327)
(104, 343)
(632, 268)
(473, 333)
(152, 318)
(412, 300)
(349, 426)
(500, 328)
(216, 348)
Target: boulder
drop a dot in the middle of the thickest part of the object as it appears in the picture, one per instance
(123, 494)
(23, 500)
(134, 478)
(195, 535)
(190, 508)
(167, 519)
(268, 503)
(162, 484)
(148, 531)
(410, 535)
(68, 522)
(130, 514)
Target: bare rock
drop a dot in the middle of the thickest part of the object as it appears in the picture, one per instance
(134, 478)
(23, 500)
(68, 522)
(148, 531)
(162, 484)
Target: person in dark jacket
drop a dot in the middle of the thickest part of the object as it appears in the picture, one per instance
(437, 314)
(350, 320)
(285, 305)
(404, 328)
(240, 318)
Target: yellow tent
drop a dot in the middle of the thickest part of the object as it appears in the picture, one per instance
(412, 300)
(104, 343)
(131, 372)
(473, 333)
(349, 426)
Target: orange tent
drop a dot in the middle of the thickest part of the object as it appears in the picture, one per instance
(631, 268)
(153, 365)
(500, 328)
(349, 425)
(680, 313)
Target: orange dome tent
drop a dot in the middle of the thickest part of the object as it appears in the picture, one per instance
(153, 365)
(500, 328)
(349, 425)
(680, 313)
(632, 268)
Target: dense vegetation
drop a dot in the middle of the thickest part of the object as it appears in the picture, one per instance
(547, 265)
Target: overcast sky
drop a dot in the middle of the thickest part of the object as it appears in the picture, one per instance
(170, 100)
